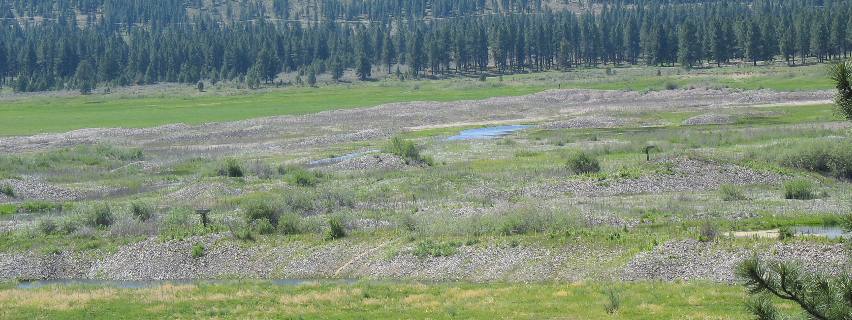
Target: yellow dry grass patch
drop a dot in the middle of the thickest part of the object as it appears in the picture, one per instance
(459, 294)
(166, 292)
(55, 299)
(335, 294)
(651, 308)
(423, 301)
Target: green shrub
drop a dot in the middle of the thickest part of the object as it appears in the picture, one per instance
(241, 232)
(583, 163)
(261, 209)
(301, 177)
(799, 189)
(336, 228)
(102, 216)
(231, 168)
(197, 250)
(730, 192)
(430, 248)
(708, 233)
(785, 233)
(47, 226)
(141, 211)
(263, 226)
(301, 202)
(7, 190)
(290, 223)
(406, 150)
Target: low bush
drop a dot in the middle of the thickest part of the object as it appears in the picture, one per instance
(101, 216)
(197, 250)
(785, 233)
(799, 189)
(261, 209)
(730, 192)
(7, 190)
(301, 177)
(708, 233)
(301, 202)
(231, 168)
(141, 211)
(290, 223)
(47, 226)
(263, 226)
(178, 224)
(408, 151)
(430, 248)
(336, 228)
(583, 163)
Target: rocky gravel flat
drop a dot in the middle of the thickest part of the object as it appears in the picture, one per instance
(34, 189)
(686, 175)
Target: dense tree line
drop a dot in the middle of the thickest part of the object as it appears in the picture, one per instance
(79, 43)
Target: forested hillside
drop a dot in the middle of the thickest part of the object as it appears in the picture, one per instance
(63, 44)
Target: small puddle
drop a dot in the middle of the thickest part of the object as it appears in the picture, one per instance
(828, 232)
(35, 284)
(348, 156)
(487, 132)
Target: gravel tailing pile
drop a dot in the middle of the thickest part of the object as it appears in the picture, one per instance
(586, 122)
(695, 260)
(34, 189)
(370, 162)
(710, 118)
(687, 175)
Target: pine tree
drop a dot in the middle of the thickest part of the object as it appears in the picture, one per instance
(688, 47)
(85, 77)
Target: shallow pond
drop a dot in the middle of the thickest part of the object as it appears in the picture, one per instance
(35, 284)
(487, 132)
(828, 232)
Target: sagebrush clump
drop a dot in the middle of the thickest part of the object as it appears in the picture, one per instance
(583, 163)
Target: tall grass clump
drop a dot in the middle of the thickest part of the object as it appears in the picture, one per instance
(799, 189)
(101, 216)
(257, 210)
(336, 228)
(7, 190)
(729, 192)
(141, 211)
(300, 176)
(613, 300)
(408, 151)
(231, 168)
(583, 163)
(827, 157)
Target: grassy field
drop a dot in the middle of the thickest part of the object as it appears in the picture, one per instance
(152, 106)
(255, 300)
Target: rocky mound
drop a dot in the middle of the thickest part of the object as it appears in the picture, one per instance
(710, 118)
(199, 192)
(35, 189)
(586, 122)
(691, 259)
(686, 175)
(371, 162)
